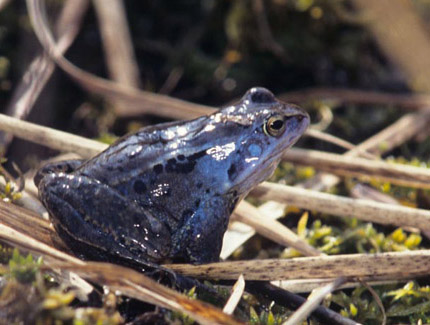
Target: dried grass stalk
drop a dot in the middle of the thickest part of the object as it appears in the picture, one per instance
(393, 265)
(273, 229)
(41, 68)
(313, 302)
(345, 207)
(118, 47)
(347, 165)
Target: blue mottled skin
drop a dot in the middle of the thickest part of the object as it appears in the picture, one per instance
(167, 191)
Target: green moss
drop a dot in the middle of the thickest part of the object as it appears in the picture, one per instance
(34, 297)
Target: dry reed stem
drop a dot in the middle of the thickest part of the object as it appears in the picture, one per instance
(136, 285)
(393, 265)
(236, 294)
(343, 206)
(397, 133)
(313, 302)
(51, 138)
(238, 233)
(16, 238)
(307, 285)
(118, 47)
(29, 223)
(273, 229)
(347, 165)
(117, 43)
(41, 68)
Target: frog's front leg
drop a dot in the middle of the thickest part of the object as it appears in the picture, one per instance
(100, 223)
(199, 240)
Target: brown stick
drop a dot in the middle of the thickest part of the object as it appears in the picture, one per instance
(41, 68)
(117, 44)
(314, 301)
(343, 206)
(273, 229)
(346, 165)
(29, 223)
(390, 265)
(395, 134)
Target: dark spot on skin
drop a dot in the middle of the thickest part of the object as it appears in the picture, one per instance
(186, 168)
(208, 190)
(109, 168)
(69, 169)
(197, 155)
(181, 157)
(183, 168)
(197, 203)
(261, 97)
(139, 187)
(158, 169)
(171, 165)
(120, 168)
(231, 171)
(199, 185)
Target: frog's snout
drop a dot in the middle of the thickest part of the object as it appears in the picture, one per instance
(301, 117)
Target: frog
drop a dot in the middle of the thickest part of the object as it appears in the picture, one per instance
(166, 192)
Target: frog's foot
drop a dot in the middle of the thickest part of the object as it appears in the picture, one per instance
(97, 221)
(66, 166)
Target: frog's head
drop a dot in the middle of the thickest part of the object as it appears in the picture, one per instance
(264, 128)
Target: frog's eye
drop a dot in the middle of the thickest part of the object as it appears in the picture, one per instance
(274, 126)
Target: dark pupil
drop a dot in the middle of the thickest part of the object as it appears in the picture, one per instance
(277, 125)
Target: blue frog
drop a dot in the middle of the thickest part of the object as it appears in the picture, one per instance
(167, 191)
